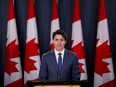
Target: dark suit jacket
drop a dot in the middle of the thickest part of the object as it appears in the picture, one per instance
(49, 68)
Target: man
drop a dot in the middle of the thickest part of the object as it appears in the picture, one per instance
(59, 64)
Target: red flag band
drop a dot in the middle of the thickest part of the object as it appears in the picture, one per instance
(32, 56)
(77, 40)
(13, 72)
(103, 73)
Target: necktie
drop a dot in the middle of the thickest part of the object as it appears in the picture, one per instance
(59, 64)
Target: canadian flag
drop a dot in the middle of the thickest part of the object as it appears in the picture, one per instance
(54, 23)
(13, 72)
(32, 56)
(103, 73)
(77, 40)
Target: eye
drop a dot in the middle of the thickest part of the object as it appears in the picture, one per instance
(61, 39)
(56, 39)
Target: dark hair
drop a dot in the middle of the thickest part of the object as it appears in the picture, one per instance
(60, 32)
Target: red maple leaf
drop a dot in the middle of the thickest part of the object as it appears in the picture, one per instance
(12, 51)
(81, 69)
(52, 46)
(79, 50)
(31, 50)
(102, 52)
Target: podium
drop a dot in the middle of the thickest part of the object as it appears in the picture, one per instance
(82, 83)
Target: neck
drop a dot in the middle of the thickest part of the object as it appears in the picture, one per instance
(59, 50)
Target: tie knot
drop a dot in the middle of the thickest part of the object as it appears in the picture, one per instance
(59, 54)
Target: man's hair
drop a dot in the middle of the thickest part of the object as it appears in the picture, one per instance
(59, 32)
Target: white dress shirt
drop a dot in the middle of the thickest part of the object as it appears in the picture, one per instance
(56, 54)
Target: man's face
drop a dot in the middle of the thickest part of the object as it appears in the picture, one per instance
(59, 42)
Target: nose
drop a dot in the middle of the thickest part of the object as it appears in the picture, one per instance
(59, 42)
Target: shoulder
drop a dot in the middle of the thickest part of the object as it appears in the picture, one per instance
(70, 52)
(48, 53)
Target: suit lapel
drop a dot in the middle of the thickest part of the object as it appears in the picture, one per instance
(54, 61)
(64, 61)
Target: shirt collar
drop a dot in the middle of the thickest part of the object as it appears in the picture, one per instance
(62, 52)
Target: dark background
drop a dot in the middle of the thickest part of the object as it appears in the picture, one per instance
(89, 16)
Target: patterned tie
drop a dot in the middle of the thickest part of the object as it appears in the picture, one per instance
(59, 64)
